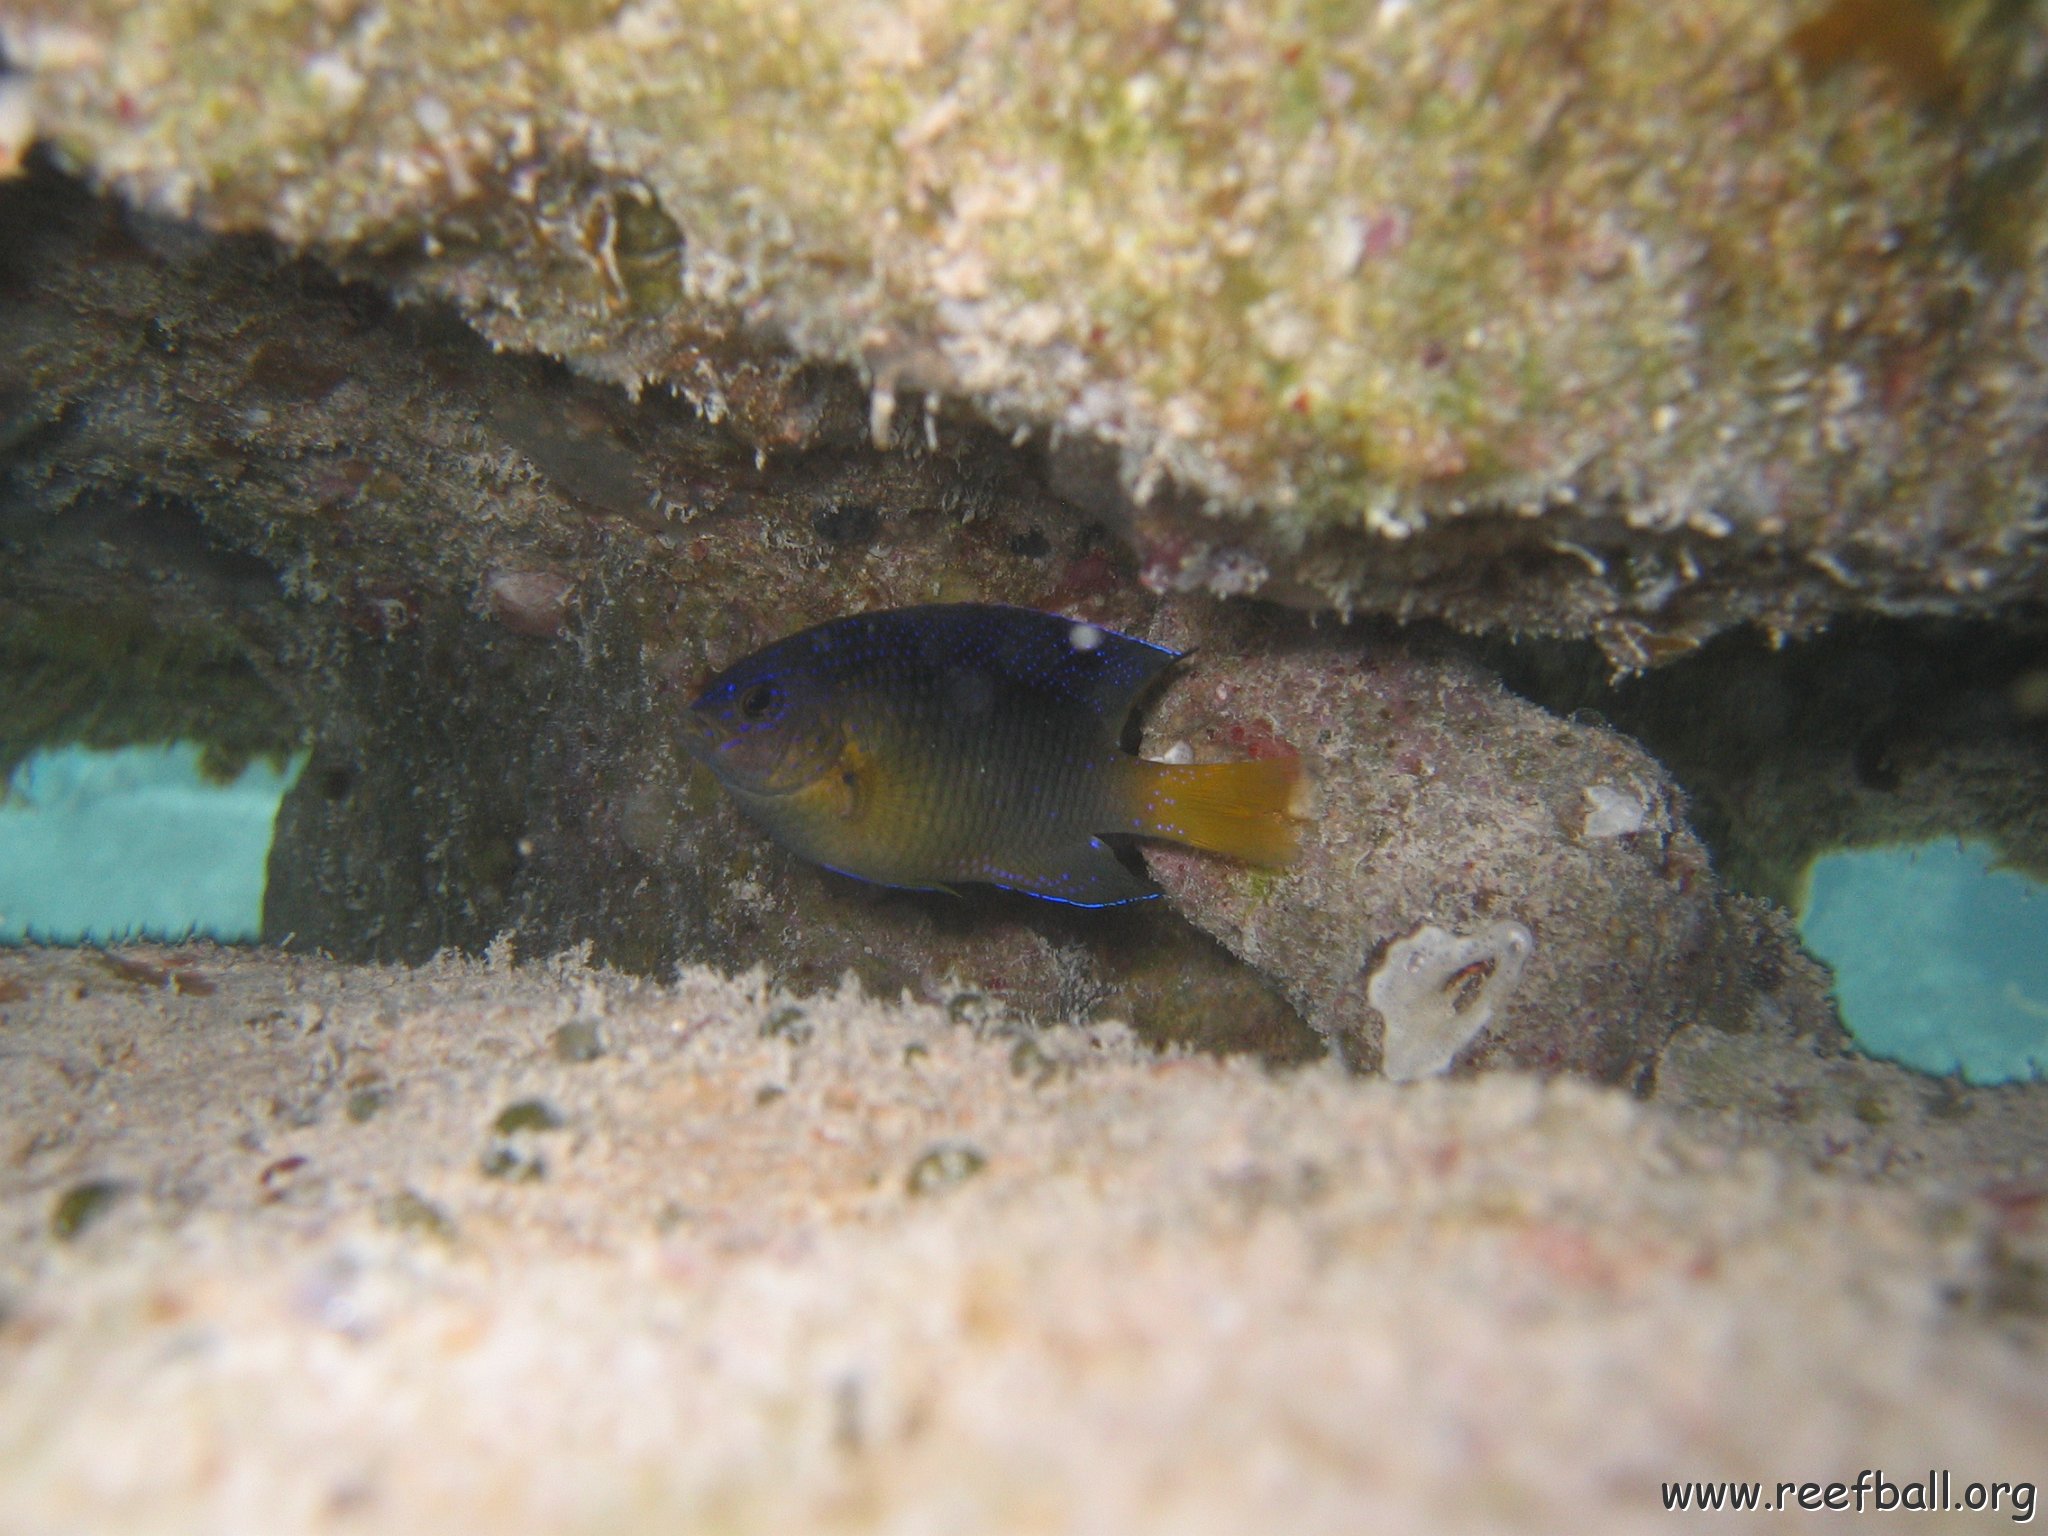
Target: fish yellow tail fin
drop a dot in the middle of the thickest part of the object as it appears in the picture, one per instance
(1250, 811)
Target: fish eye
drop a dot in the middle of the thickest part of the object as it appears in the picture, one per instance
(758, 701)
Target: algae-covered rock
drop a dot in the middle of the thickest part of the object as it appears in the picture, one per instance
(1481, 883)
(1624, 321)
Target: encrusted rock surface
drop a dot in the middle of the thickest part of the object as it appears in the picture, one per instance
(1868, 735)
(1449, 811)
(1629, 321)
(290, 1245)
(1789, 1079)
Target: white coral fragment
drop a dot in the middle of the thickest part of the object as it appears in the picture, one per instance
(1438, 991)
(1612, 812)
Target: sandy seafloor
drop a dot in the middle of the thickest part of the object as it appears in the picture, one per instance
(268, 1263)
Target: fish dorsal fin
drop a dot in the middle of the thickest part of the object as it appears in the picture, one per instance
(1068, 660)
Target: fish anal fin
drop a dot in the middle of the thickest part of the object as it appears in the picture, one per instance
(1084, 874)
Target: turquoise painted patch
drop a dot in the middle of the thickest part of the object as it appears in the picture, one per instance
(1940, 962)
(135, 843)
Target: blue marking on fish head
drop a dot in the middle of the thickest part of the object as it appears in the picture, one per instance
(768, 725)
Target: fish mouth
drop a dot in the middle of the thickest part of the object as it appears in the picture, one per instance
(703, 737)
(707, 741)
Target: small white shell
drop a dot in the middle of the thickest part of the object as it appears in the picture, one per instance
(1612, 812)
(1424, 993)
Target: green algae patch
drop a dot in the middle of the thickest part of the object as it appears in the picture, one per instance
(83, 1206)
(943, 1167)
(409, 1211)
(577, 1042)
(527, 1115)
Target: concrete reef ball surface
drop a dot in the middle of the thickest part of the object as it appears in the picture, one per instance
(1533, 877)
(291, 1245)
(1666, 317)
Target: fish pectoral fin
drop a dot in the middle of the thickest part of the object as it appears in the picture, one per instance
(845, 795)
(840, 792)
(848, 785)
(1082, 874)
